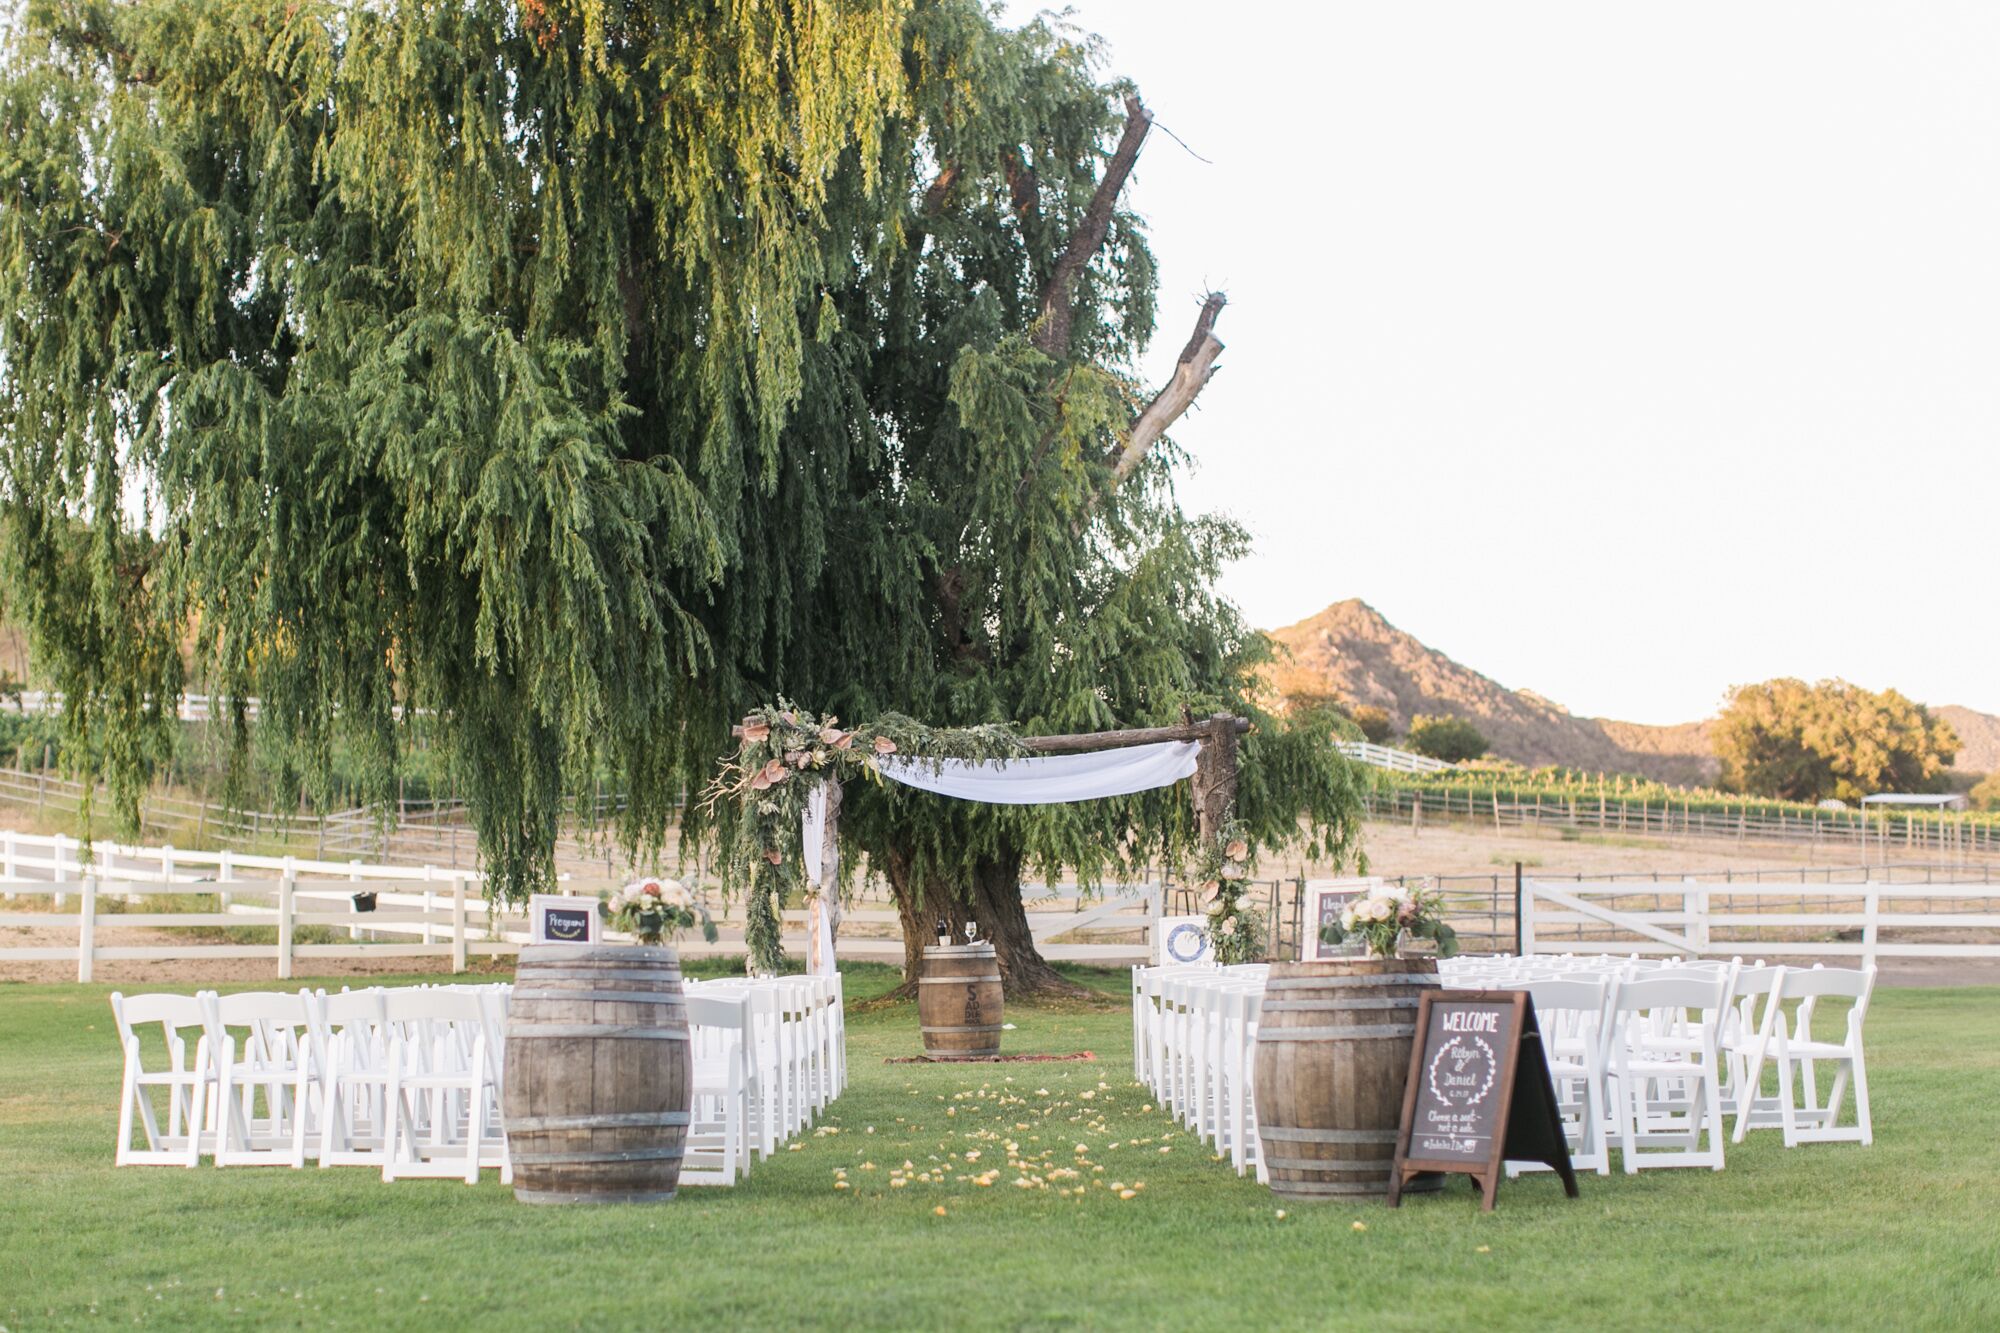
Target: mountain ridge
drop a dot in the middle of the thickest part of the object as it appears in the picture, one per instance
(1352, 652)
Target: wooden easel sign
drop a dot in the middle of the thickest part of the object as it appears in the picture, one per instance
(1478, 1094)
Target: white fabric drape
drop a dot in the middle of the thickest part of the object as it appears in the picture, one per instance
(820, 876)
(814, 832)
(1045, 779)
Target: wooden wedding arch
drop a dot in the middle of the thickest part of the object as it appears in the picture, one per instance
(1214, 782)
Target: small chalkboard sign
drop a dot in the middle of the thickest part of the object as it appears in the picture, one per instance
(1478, 1094)
(561, 919)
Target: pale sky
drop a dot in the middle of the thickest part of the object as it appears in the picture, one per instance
(1622, 352)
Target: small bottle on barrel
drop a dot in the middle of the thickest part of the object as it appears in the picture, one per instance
(944, 934)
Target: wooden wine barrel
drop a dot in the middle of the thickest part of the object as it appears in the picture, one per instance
(958, 1002)
(597, 1088)
(1333, 1053)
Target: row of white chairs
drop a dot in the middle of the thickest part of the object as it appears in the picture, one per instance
(769, 1054)
(408, 1079)
(1645, 1056)
(1648, 1056)
(1194, 1035)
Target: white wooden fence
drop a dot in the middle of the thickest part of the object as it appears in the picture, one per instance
(192, 707)
(1698, 919)
(1396, 761)
(419, 910)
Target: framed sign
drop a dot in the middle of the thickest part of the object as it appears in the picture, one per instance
(1324, 899)
(555, 918)
(1478, 1093)
(1182, 939)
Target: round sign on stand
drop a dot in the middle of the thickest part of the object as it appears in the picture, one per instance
(1187, 941)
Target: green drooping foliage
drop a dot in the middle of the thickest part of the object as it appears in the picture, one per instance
(421, 357)
(1799, 742)
(571, 378)
(1451, 739)
(1020, 579)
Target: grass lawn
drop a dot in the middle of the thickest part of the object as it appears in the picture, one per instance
(1905, 1234)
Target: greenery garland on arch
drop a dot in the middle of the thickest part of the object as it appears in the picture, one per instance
(1235, 929)
(758, 799)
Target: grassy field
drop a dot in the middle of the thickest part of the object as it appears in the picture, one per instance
(1905, 1234)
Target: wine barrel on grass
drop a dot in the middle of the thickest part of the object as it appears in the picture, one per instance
(597, 1087)
(1333, 1053)
(959, 1002)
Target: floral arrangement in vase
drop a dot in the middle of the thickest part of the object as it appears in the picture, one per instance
(654, 911)
(1235, 930)
(1389, 914)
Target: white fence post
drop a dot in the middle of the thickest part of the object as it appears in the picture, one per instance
(285, 887)
(1694, 901)
(354, 877)
(86, 930)
(56, 855)
(458, 923)
(430, 906)
(225, 872)
(8, 870)
(1527, 912)
(1871, 904)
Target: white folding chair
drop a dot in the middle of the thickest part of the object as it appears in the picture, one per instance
(189, 1081)
(1745, 1041)
(1572, 1013)
(765, 1071)
(1236, 1112)
(1664, 1058)
(1813, 1120)
(261, 1044)
(435, 1084)
(718, 1141)
(353, 1030)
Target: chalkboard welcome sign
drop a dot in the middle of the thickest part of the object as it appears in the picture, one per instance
(1478, 1093)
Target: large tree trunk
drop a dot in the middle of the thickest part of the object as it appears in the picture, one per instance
(993, 899)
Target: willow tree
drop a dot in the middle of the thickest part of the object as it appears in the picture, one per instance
(1011, 548)
(412, 359)
(576, 375)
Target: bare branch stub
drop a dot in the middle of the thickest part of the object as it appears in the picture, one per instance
(1191, 373)
(1052, 330)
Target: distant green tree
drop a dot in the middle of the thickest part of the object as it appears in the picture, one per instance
(1375, 723)
(1451, 739)
(1986, 796)
(1793, 741)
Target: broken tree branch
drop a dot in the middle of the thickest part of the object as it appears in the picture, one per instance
(1024, 188)
(940, 189)
(1052, 330)
(1191, 372)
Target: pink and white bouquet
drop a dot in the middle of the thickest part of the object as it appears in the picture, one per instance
(1380, 920)
(655, 910)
